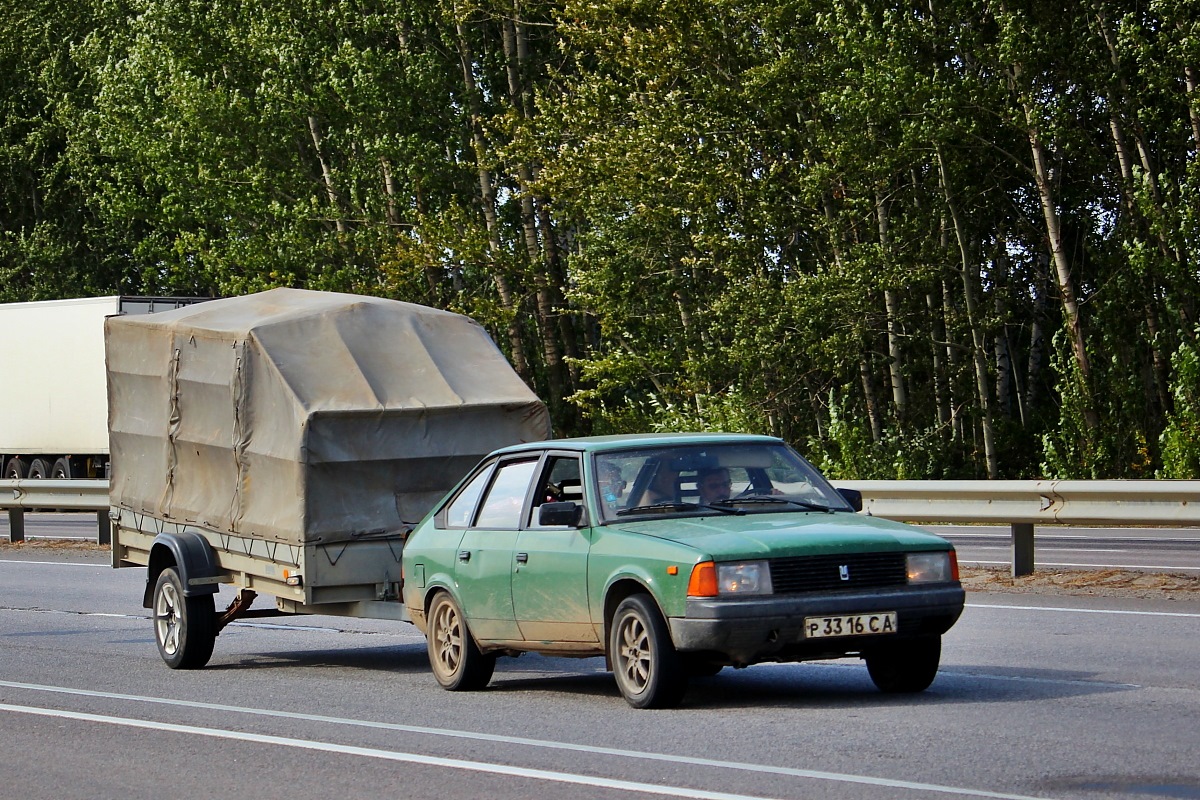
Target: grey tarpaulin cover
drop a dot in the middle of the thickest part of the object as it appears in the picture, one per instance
(300, 416)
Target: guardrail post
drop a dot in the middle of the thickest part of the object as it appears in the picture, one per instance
(1022, 549)
(103, 527)
(16, 524)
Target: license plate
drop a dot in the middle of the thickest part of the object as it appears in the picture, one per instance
(850, 625)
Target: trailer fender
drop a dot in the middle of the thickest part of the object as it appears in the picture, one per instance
(191, 555)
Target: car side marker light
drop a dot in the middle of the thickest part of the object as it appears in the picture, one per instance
(672, 570)
(703, 582)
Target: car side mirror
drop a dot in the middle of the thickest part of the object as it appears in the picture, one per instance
(853, 497)
(565, 513)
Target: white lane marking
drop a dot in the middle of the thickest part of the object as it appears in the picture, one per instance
(52, 563)
(1175, 568)
(388, 755)
(1079, 550)
(1087, 610)
(541, 743)
(1043, 549)
(1042, 537)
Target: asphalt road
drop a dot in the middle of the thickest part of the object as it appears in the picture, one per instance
(1063, 697)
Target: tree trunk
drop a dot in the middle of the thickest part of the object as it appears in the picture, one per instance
(1062, 266)
(314, 130)
(870, 395)
(1193, 105)
(488, 202)
(978, 338)
(891, 301)
(938, 330)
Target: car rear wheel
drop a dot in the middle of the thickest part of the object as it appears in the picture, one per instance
(648, 669)
(457, 662)
(905, 667)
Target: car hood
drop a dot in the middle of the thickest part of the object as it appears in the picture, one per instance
(776, 535)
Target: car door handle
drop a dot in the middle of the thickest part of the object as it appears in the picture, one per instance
(464, 556)
(522, 558)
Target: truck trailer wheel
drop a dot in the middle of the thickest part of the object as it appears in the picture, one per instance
(648, 669)
(456, 660)
(15, 469)
(185, 628)
(61, 471)
(905, 667)
(38, 469)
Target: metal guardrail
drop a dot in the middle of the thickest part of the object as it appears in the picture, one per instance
(1019, 504)
(1174, 503)
(1024, 504)
(24, 495)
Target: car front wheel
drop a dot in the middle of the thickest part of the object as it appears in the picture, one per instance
(905, 667)
(648, 669)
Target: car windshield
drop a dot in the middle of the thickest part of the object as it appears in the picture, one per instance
(733, 478)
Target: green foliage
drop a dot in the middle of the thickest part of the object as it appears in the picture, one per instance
(1181, 438)
(1119, 446)
(822, 219)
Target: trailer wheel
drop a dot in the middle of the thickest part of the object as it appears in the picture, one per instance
(185, 628)
(456, 660)
(15, 469)
(38, 469)
(61, 471)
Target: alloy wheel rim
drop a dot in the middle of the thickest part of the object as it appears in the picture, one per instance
(166, 619)
(634, 653)
(449, 639)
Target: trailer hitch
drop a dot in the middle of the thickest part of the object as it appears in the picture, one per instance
(237, 608)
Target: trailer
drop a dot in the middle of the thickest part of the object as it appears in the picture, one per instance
(55, 422)
(285, 443)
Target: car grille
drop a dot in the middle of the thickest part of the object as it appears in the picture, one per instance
(824, 573)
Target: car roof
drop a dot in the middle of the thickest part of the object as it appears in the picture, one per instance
(601, 444)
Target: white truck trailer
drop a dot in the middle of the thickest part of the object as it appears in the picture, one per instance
(285, 443)
(54, 415)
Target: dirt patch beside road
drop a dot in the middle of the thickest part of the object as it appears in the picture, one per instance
(1096, 583)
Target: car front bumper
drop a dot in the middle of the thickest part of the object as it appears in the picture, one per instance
(746, 630)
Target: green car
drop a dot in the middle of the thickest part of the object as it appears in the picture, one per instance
(673, 556)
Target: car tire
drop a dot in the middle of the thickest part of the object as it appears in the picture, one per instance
(905, 667)
(185, 628)
(457, 662)
(650, 673)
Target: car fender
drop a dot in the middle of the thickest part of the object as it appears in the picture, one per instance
(628, 574)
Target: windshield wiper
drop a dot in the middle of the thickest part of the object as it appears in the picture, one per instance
(677, 506)
(758, 498)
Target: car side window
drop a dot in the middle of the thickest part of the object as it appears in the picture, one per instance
(506, 496)
(560, 482)
(462, 508)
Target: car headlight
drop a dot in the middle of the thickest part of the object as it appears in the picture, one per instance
(744, 577)
(941, 567)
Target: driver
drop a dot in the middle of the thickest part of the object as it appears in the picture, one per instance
(714, 485)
